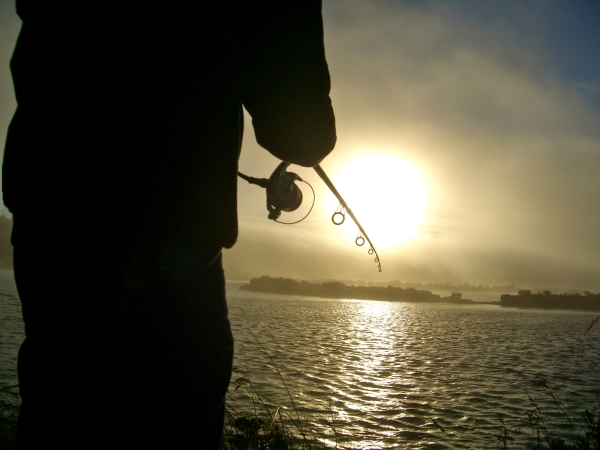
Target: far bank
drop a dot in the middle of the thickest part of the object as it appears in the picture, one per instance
(336, 289)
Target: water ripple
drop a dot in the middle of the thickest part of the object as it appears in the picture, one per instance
(391, 374)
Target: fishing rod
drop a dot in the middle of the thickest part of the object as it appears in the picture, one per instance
(283, 194)
(360, 239)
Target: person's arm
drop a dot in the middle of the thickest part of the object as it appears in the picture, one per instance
(286, 80)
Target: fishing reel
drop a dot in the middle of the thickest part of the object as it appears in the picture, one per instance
(283, 194)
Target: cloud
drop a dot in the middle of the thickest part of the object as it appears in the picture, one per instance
(471, 95)
(474, 95)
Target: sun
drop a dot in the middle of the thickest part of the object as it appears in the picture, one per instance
(387, 195)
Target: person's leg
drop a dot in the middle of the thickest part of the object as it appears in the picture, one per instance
(191, 360)
(49, 364)
(105, 366)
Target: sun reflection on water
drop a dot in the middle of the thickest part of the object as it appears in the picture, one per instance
(374, 334)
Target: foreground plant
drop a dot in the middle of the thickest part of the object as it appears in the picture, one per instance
(583, 432)
(10, 402)
(266, 425)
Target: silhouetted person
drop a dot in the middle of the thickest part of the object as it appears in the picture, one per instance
(120, 171)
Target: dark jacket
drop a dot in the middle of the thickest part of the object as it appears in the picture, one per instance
(129, 120)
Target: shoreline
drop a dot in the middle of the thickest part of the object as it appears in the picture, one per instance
(338, 290)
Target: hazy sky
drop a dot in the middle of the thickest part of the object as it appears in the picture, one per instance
(495, 103)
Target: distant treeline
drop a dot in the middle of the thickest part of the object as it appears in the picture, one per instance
(466, 287)
(336, 289)
(6, 250)
(456, 287)
(547, 300)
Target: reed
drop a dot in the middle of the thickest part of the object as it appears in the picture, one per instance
(267, 425)
(555, 426)
(581, 433)
(583, 429)
(10, 402)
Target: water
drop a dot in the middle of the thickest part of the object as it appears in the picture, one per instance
(386, 374)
